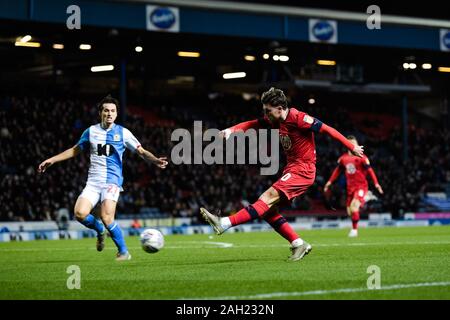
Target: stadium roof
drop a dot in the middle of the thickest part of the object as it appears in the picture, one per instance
(412, 13)
(429, 9)
(219, 54)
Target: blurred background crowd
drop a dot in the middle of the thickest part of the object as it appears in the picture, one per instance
(33, 129)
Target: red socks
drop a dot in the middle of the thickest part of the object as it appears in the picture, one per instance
(281, 226)
(251, 212)
(355, 219)
(258, 209)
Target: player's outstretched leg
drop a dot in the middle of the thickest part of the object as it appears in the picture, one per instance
(298, 251)
(220, 225)
(213, 220)
(299, 247)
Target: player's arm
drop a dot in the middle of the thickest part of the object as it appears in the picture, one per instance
(372, 175)
(244, 126)
(149, 157)
(133, 144)
(356, 150)
(82, 144)
(306, 122)
(334, 176)
(65, 155)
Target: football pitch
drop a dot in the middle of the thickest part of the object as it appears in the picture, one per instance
(413, 263)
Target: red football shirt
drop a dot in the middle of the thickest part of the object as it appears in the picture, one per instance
(296, 137)
(355, 169)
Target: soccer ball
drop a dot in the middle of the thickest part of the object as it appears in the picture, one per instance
(152, 240)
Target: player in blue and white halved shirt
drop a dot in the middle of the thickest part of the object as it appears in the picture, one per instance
(107, 142)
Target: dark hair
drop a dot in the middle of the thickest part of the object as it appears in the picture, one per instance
(350, 137)
(274, 97)
(108, 99)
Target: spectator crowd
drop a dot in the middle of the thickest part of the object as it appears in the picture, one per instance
(33, 129)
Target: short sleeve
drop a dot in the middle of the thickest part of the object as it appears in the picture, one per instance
(130, 140)
(306, 122)
(83, 143)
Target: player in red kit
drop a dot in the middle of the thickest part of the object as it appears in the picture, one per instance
(355, 169)
(296, 130)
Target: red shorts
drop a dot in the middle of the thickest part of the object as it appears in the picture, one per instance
(294, 182)
(357, 193)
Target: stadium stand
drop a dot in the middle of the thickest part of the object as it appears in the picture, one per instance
(32, 128)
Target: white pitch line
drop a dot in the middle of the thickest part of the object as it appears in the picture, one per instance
(323, 292)
(222, 245)
(352, 244)
(198, 246)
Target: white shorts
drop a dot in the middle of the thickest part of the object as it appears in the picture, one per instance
(94, 193)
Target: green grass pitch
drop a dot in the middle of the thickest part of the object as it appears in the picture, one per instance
(414, 264)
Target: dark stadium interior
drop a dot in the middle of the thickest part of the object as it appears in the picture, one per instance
(47, 97)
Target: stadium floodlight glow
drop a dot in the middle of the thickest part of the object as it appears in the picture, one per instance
(108, 67)
(138, 49)
(234, 75)
(444, 69)
(412, 65)
(25, 38)
(85, 46)
(27, 44)
(284, 58)
(58, 46)
(426, 66)
(311, 101)
(326, 62)
(276, 57)
(250, 58)
(266, 56)
(188, 54)
(406, 65)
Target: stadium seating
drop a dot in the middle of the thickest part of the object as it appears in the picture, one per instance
(32, 129)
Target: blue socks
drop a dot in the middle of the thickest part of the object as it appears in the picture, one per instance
(93, 223)
(116, 233)
(117, 237)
